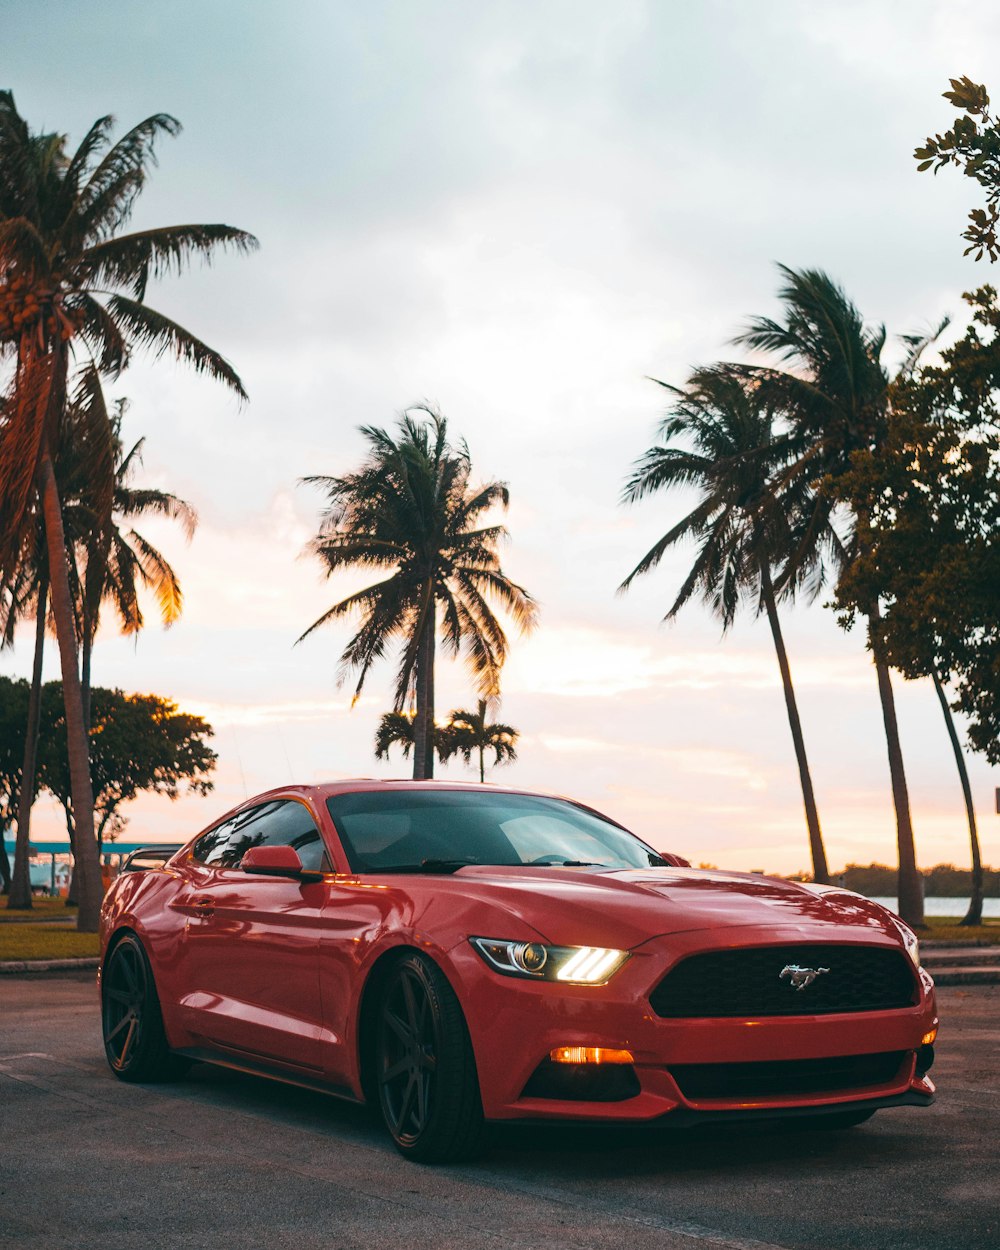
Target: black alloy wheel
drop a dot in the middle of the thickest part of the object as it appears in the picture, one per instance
(425, 1069)
(134, 1040)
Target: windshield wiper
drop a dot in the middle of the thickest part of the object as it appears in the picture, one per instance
(425, 865)
(445, 865)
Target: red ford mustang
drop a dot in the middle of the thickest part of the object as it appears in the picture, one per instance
(465, 954)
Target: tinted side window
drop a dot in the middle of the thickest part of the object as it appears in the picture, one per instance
(210, 846)
(283, 822)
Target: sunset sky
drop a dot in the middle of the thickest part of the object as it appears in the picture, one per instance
(519, 212)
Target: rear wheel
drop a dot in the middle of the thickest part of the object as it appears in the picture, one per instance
(134, 1040)
(426, 1073)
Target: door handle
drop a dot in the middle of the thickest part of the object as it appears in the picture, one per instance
(204, 904)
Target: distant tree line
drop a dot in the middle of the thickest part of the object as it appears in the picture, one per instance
(139, 744)
(941, 881)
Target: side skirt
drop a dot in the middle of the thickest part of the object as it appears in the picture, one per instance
(251, 1068)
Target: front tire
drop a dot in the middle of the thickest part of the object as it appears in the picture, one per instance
(134, 1039)
(428, 1089)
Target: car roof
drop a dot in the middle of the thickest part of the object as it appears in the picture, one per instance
(354, 785)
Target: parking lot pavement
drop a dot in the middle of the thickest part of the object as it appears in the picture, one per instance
(227, 1161)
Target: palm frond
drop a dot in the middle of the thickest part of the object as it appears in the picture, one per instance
(130, 260)
(108, 194)
(144, 327)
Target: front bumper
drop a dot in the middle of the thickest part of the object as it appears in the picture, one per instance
(514, 1024)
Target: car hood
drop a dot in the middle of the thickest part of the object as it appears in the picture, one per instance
(623, 908)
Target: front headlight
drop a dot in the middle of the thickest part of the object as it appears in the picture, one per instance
(573, 965)
(910, 941)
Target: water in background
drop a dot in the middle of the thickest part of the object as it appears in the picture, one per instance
(936, 906)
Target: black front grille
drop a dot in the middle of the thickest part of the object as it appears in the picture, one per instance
(786, 1076)
(748, 981)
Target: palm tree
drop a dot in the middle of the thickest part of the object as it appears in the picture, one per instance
(719, 438)
(396, 729)
(470, 733)
(72, 281)
(76, 464)
(121, 560)
(410, 511)
(836, 395)
(118, 559)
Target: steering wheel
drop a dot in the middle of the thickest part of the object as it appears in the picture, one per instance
(546, 859)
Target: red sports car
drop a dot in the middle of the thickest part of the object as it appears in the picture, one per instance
(463, 954)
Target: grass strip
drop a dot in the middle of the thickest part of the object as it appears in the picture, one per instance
(32, 941)
(947, 929)
(42, 908)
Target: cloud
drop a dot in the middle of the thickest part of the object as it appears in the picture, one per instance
(575, 661)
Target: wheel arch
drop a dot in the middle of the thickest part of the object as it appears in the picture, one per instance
(114, 940)
(368, 1007)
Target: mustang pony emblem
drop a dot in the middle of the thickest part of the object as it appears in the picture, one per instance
(801, 977)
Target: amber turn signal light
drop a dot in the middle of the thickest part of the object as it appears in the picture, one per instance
(928, 1038)
(589, 1054)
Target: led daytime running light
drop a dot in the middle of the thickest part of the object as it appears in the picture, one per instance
(589, 964)
(573, 965)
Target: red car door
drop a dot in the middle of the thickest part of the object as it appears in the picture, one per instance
(251, 943)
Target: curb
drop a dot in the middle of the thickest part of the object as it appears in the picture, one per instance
(966, 976)
(49, 965)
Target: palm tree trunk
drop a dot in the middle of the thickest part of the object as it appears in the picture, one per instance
(423, 726)
(71, 891)
(482, 763)
(20, 890)
(88, 866)
(910, 884)
(821, 872)
(974, 915)
(88, 645)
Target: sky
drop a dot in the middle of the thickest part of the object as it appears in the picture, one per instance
(519, 213)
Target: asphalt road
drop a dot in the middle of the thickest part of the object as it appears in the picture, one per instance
(227, 1161)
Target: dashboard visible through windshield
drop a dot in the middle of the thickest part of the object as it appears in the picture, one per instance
(443, 830)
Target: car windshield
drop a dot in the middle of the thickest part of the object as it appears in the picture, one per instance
(444, 830)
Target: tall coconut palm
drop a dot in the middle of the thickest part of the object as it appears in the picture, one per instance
(835, 392)
(110, 560)
(72, 281)
(470, 734)
(79, 462)
(719, 438)
(411, 511)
